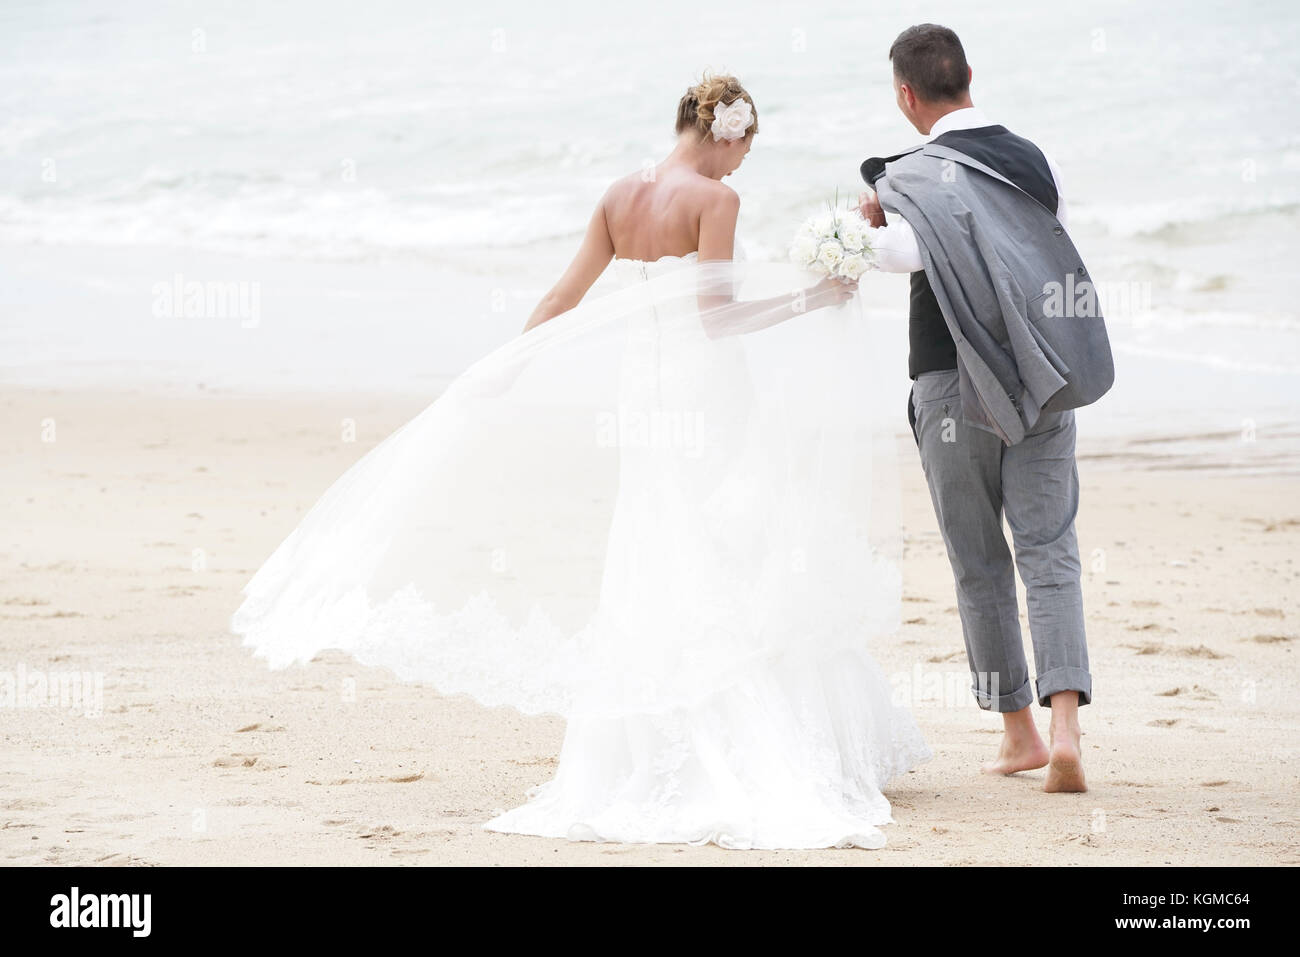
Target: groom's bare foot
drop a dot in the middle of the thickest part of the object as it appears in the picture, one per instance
(1065, 766)
(1018, 756)
(1021, 749)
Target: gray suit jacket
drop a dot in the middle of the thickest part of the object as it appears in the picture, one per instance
(1013, 289)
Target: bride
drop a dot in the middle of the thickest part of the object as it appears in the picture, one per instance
(660, 513)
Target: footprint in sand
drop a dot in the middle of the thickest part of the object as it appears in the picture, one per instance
(1156, 648)
(22, 804)
(379, 834)
(1153, 627)
(400, 779)
(535, 762)
(236, 761)
(1083, 840)
(1278, 526)
(124, 860)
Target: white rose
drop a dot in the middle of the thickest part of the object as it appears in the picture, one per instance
(868, 241)
(854, 266)
(803, 250)
(831, 254)
(824, 224)
(819, 267)
(851, 235)
(731, 121)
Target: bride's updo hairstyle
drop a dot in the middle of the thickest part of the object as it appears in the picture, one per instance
(696, 108)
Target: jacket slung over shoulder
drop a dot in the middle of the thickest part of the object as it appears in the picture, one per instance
(1013, 289)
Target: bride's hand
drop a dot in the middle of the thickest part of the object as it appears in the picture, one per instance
(832, 291)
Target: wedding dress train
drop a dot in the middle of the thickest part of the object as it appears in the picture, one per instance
(678, 538)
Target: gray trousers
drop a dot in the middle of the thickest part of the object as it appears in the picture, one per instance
(974, 480)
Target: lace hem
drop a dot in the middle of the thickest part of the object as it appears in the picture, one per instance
(784, 759)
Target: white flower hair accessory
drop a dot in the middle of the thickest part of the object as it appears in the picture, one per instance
(731, 121)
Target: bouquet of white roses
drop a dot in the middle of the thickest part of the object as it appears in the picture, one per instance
(834, 243)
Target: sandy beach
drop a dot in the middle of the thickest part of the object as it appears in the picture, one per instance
(134, 519)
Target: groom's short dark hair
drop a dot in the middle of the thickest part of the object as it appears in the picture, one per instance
(929, 58)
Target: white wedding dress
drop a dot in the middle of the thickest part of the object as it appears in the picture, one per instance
(672, 537)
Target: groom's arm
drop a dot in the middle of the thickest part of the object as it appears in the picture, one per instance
(895, 247)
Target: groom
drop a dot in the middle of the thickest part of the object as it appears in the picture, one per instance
(996, 377)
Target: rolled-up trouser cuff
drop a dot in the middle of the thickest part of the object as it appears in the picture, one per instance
(1064, 679)
(1022, 697)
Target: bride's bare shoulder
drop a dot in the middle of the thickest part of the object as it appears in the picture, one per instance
(719, 193)
(678, 185)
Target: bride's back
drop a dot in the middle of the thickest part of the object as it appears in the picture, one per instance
(650, 217)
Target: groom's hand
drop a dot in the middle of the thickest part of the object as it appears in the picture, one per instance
(869, 206)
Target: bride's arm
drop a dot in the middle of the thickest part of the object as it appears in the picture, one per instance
(721, 313)
(725, 316)
(593, 256)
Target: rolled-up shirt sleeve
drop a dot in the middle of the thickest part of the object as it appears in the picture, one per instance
(895, 248)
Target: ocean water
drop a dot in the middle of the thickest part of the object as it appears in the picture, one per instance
(467, 144)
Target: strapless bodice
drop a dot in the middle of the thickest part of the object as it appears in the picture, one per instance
(631, 271)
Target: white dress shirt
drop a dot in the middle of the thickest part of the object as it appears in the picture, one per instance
(895, 244)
